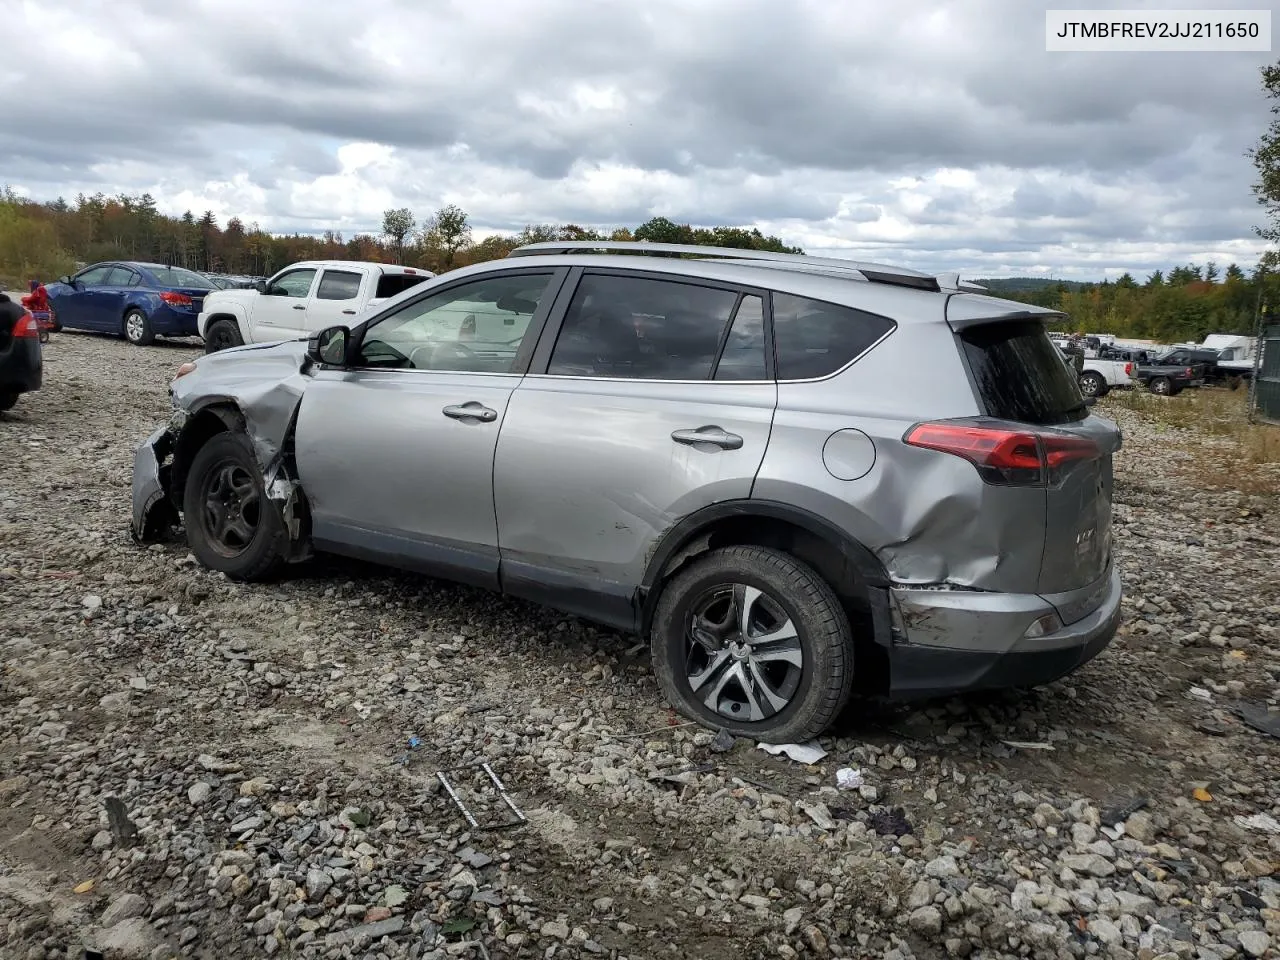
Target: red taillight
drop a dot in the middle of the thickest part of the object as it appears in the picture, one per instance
(175, 299)
(26, 328)
(1190, 373)
(1128, 369)
(1002, 455)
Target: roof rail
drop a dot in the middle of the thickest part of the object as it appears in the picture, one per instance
(875, 272)
(952, 281)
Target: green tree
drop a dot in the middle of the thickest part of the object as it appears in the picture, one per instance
(1266, 158)
(398, 224)
(448, 230)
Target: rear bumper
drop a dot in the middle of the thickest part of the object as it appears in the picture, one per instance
(21, 366)
(961, 641)
(174, 323)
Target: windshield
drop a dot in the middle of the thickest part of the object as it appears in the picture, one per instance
(1020, 375)
(177, 277)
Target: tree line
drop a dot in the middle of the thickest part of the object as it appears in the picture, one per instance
(45, 240)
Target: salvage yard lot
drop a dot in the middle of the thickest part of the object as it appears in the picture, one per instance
(253, 734)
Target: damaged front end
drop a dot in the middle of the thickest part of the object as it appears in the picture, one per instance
(253, 390)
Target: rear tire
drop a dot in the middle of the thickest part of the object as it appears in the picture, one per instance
(222, 335)
(785, 690)
(137, 328)
(232, 526)
(1161, 385)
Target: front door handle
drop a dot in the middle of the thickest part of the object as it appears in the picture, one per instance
(712, 434)
(349, 313)
(471, 410)
(299, 306)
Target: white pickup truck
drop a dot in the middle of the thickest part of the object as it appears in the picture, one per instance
(1098, 377)
(300, 300)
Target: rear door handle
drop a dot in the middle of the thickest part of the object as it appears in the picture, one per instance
(350, 313)
(713, 435)
(471, 410)
(299, 306)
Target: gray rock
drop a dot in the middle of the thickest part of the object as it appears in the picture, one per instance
(1090, 864)
(374, 931)
(1105, 930)
(557, 929)
(926, 921)
(941, 868)
(318, 884)
(1255, 943)
(198, 793)
(124, 907)
(131, 939)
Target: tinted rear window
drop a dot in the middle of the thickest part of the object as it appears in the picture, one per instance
(1020, 374)
(177, 277)
(389, 284)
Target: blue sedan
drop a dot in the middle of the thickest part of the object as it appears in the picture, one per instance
(138, 301)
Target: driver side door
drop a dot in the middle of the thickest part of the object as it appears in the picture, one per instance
(280, 313)
(75, 302)
(395, 450)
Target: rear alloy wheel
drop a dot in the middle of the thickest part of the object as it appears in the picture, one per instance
(1092, 385)
(752, 640)
(222, 335)
(1162, 386)
(232, 526)
(137, 328)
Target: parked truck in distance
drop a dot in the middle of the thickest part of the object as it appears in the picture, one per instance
(1167, 379)
(300, 300)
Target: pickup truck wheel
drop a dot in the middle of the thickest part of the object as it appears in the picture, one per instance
(1092, 385)
(221, 335)
(1161, 385)
(137, 329)
(232, 526)
(7, 400)
(754, 641)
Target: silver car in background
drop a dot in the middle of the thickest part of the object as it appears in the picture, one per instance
(799, 478)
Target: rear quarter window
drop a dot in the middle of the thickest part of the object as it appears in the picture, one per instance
(813, 338)
(1019, 374)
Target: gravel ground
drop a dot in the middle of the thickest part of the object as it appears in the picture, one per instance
(255, 740)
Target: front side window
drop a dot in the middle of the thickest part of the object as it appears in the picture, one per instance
(813, 338)
(339, 285)
(641, 328)
(476, 327)
(295, 283)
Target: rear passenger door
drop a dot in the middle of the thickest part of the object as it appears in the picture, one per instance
(651, 399)
(337, 299)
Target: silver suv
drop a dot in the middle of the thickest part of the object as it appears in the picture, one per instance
(797, 477)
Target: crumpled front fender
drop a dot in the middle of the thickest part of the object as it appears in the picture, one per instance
(154, 515)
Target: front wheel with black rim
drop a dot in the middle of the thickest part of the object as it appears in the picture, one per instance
(232, 526)
(137, 328)
(222, 335)
(752, 640)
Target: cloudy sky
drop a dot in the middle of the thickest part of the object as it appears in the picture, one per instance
(932, 134)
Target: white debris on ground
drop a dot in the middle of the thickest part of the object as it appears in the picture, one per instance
(259, 740)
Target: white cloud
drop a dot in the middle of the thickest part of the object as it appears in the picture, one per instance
(941, 137)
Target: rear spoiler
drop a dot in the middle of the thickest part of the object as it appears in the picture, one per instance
(972, 310)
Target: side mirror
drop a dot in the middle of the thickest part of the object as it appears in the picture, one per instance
(329, 346)
(261, 286)
(66, 280)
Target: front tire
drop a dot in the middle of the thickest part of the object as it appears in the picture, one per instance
(8, 400)
(137, 328)
(232, 526)
(1092, 385)
(752, 640)
(222, 335)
